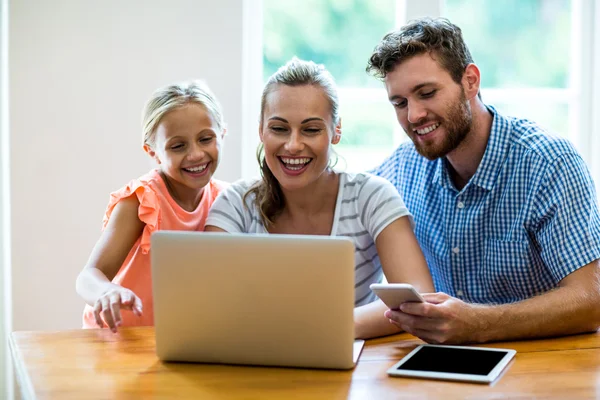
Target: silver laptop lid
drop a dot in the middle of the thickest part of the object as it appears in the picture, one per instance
(284, 300)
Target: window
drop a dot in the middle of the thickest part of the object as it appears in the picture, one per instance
(523, 49)
(536, 57)
(341, 35)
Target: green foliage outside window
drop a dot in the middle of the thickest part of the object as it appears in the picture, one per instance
(340, 34)
(516, 44)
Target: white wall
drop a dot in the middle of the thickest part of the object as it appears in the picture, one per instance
(80, 72)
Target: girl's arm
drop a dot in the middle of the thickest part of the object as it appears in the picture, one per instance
(403, 262)
(94, 281)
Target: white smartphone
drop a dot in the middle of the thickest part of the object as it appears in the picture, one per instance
(394, 294)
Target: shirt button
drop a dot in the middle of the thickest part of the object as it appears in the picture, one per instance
(455, 250)
(460, 204)
(459, 292)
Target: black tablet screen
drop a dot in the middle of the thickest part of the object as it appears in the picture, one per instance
(452, 360)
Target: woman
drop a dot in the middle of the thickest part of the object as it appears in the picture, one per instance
(299, 193)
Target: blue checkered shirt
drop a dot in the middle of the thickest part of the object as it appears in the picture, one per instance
(526, 219)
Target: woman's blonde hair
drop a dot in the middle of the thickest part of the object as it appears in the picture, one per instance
(171, 97)
(268, 195)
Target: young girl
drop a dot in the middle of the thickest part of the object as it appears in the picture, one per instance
(183, 132)
(300, 194)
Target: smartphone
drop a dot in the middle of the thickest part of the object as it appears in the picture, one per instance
(394, 294)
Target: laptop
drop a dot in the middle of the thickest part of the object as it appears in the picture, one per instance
(269, 300)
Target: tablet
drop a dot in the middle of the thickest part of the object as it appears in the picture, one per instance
(458, 363)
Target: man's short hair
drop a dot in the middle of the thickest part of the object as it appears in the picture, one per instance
(436, 36)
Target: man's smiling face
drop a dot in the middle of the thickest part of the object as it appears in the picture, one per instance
(430, 106)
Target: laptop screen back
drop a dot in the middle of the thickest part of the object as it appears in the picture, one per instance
(283, 300)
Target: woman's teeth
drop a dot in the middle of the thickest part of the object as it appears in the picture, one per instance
(199, 168)
(430, 128)
(295, 164)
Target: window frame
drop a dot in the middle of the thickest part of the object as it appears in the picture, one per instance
(581, 98)
(252, 71)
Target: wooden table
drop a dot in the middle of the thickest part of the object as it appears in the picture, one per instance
(98, 364)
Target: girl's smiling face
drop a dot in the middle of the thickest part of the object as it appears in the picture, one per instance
(187, 147)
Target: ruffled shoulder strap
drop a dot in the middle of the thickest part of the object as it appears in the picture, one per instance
(148, 211)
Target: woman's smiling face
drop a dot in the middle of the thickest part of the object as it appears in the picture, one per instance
(297, 132)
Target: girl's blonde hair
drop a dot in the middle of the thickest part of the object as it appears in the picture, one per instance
(171, 97)
(268, 195)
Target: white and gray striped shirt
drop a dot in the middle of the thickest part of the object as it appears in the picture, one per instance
(365, 206)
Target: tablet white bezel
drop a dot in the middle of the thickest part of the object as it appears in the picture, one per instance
(494, 373)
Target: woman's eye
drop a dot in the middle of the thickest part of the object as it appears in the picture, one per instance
(177, 146)
(313, 131)
(278, 129)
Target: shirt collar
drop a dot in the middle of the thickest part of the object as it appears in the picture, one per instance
(495, 151)
(440, 175)
(489, 167)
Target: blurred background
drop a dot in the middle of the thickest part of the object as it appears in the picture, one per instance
(534, 56)
(74, 76)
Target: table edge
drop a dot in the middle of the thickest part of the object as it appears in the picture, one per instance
(23, 378)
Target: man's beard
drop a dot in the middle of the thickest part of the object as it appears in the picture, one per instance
(457, 123)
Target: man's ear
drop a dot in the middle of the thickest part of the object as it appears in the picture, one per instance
(337, 133)
(151, 153)
(471, 81)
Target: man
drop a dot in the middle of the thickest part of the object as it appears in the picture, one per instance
(506, 214)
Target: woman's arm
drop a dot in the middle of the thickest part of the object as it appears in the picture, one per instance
(403, 262)
(94, 281)
(211, 228)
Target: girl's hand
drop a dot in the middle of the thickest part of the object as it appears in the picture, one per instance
(109, 305)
